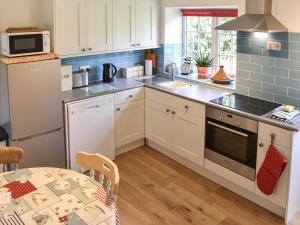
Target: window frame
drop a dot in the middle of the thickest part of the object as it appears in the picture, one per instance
(215, 43)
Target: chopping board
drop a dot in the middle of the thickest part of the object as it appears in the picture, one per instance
(27, 59)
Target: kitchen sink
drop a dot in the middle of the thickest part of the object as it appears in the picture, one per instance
(174, 85)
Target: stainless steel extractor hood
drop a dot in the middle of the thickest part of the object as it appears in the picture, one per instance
(258, 18)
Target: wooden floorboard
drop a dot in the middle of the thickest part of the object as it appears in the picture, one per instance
(155, 190)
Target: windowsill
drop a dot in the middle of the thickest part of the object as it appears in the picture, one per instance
(194, 78)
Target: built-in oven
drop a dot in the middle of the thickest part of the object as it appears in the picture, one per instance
(231, 141)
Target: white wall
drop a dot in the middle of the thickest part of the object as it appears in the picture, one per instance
(14, 13)
(287, 12)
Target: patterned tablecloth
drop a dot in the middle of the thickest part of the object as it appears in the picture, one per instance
(50, 196)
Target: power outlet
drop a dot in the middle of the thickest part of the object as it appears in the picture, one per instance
(274, 45)
(84, 68)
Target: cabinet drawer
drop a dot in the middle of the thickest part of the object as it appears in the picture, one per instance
(129, 96)
(158, 96)
(188, 107)
(282, 137)
(177, 103)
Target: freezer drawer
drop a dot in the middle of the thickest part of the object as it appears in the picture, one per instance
(35, 98)
(43, 151)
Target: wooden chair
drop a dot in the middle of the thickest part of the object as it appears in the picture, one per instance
(10, 155)
(101, 169)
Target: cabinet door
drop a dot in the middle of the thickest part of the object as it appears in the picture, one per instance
(144, 13)
(70, 27)
(189, 137)
(123, 24)
(99, 25)
(280, 194)
(159, 124)
(146, 23)
(129, 123)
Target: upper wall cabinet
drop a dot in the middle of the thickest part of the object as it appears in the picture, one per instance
(79, 26)
(89, 26)
(136, 24)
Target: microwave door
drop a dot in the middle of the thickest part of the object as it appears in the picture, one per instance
(23, 44)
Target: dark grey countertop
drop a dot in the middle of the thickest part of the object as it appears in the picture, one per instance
(197, 93)
(121, 83)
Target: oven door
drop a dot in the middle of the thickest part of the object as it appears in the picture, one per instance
(25, 44)
(231, 147)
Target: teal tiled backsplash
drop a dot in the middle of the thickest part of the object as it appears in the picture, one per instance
(266, 74)
(119, 59)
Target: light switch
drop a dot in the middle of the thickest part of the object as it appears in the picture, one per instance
(274, 45)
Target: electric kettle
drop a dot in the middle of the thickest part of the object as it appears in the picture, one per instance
(109, 72)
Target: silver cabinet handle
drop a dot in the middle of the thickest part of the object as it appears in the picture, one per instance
(228, 129)
(93, 107)
(133, 45)
(138, 44)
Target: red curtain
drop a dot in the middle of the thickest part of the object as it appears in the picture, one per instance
(210, 12)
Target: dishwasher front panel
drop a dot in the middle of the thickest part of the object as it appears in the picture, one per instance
(91, 128)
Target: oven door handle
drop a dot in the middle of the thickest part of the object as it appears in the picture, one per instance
(228, 129)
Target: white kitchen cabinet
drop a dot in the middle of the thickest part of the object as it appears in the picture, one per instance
(99, 25)
(68, 28)
(129, 122)
(174, 126)
(159, 124)
(283, 143)
(146, 23)
(279, 196)
(79, 26)
(123, 24)
(136, 24)
(188, 140)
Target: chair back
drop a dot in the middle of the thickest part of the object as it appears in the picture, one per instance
(10, 156)
(101, 169)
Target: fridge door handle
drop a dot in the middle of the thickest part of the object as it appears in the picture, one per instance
(37, 135)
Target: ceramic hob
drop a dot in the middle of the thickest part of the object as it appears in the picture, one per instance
(246, 104)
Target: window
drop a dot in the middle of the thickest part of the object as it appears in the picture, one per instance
(200, 37)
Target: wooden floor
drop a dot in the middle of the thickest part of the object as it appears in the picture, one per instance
(155, 190)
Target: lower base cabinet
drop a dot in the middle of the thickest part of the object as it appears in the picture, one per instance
(188, 137)
(279, 196)
(158, 124)
(129, 123)
(174, 127)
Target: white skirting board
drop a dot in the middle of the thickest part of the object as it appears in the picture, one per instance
(220, 180)
(130, 147)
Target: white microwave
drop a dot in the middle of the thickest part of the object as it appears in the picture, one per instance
(28, 43)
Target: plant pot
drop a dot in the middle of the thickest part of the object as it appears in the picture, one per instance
(203, 72)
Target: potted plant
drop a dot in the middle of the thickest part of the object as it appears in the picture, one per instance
(203, 63)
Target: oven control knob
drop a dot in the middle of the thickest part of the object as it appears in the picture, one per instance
(237, 124)
(222, 118)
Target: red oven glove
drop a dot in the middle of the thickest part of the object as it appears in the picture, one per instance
(270, 171)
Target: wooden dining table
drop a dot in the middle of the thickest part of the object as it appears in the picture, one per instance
(53, 196)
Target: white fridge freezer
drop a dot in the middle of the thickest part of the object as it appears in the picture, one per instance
(90, 128)
(32, 111)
